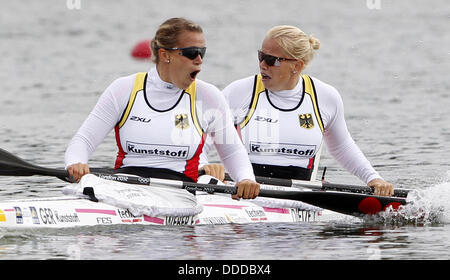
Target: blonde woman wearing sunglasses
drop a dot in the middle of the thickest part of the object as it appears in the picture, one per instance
(283, 115)
(162, 117)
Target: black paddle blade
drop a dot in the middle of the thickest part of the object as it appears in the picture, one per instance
(11, 165)
(14, 166)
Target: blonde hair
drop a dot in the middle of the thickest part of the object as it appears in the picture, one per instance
(294, 42)
(167, 34)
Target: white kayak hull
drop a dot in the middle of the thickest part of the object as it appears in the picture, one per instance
(71, 211)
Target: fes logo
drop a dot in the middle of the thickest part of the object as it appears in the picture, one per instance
(181, 121)
(306, 121)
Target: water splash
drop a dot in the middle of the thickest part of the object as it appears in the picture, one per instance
(429, 205)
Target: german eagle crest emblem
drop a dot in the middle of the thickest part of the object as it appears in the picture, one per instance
(181, 121)
(306, 121)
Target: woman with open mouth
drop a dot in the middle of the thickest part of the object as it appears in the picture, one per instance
(283, 115)
(161, 117)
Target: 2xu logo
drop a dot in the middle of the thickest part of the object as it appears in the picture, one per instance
(265, 119)
(139, 119)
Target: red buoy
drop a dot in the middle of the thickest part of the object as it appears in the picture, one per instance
(142, 50)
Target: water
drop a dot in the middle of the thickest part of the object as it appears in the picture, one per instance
(388, 59)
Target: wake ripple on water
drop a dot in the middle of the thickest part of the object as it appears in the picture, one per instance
(426, 206)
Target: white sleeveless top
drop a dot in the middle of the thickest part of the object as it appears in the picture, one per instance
(279, 136)
(171, 138)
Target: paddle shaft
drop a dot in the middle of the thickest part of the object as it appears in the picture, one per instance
(317, 185)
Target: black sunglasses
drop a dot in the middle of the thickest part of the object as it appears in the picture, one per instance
(272, 60)
(190, 52)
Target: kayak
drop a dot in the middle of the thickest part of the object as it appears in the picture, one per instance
(279, 200)
(72, 211)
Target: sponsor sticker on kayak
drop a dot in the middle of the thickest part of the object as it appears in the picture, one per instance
(256, 214)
